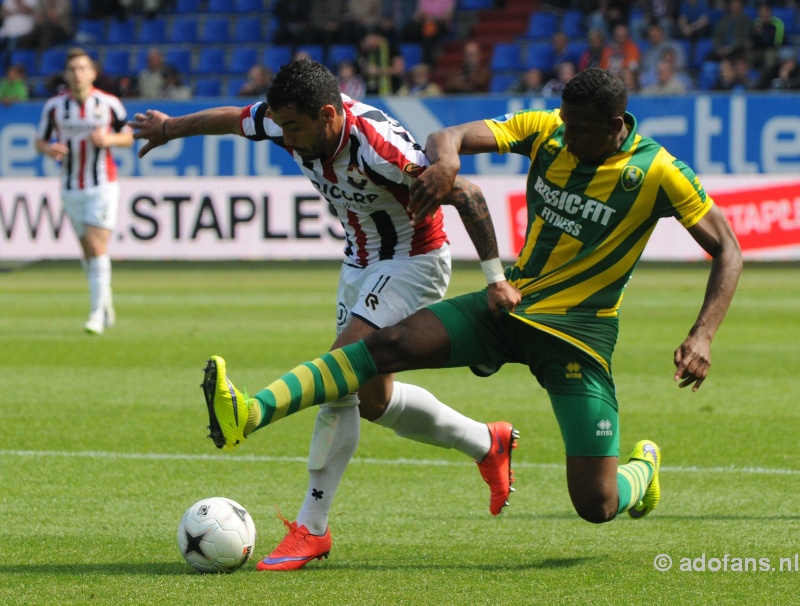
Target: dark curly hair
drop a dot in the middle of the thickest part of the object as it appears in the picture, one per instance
(306, 84)
(597, 87)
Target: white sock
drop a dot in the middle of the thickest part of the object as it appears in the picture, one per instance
(99, 276)
(416, 414)
(333, 443)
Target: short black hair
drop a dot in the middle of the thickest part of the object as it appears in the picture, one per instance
(307, 85)
(597, 87)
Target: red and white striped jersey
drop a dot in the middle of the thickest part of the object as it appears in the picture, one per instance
(366, 182)
(66, 119)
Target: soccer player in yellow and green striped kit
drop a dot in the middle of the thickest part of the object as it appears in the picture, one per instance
(595, 191)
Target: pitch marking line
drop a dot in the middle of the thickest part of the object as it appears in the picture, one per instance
(153, 456)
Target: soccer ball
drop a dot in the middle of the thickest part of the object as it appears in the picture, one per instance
(216, 535)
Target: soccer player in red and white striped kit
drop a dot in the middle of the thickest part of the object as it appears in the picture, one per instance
(78, 128)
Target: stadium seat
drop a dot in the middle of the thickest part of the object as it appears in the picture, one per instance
(505, 56)
(241, 59)
(412, 53)
(340, 52)
(315, 51)
(789, 17)
(140, 60)
(248, 6)
(474, 5)
(572, 24)
(188, 7)
(539, 55)
(180, 59)
(210, 60)
(702, 48)
(51, 61)
(541, 25)
(215, 30)
(247, 29)
(576, 49)
(276, 55)
(121, 32)
(500, 82)
(208, 87)
(184, 30)
(29, 59)
(218, 6)
(117, 62)
(709, 72)
(152, 31)
(91, 31)
(233, 85)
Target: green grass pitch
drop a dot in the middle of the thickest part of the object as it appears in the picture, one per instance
(104, 446)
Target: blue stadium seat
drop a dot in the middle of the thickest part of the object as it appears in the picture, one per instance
(248, 6)
(539, 55)
(702, 48)
(210, 60)
(215, 30)
(180, 59)
(789, 17)
(576, 49)
(29, 59)
(117, 62)
(152, 31)
(241, 59)
(218, 6)
(505, 56)
(474, 5)
(541, 25)
(276, 55)
(51, 61)
(184, 30)
(247, 29)
(233, 85)
(412, 53)
(709, 72)
(91, 31)
(340, 52)
(140, 60)
(500, 82)
(208, 87)
(572, 24)
(315, 51)
(188, 7)
(121, 32)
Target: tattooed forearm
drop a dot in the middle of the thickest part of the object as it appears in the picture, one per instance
(474, 212)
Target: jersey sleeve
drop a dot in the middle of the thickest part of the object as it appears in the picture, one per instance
(522, 131)
(688, 201)
(44, 131)
(256, 124)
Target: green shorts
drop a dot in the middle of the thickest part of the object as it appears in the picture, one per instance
(580, 388)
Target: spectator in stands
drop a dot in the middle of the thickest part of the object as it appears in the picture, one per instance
(473, 75)
(360, 17)
(662, 12)
(561, 49)
(565, 71)
(431, 23)
(694, 22)
(631, 79)
(13, 87)
(381, 64)
(593, 55)
(667, 81)
(785, 74)
(325, 20)
(17, 26)
(658, 45)
(395, 17)
(350, 82)
(293, 25)
(54, 23)
(104, 81)
(174, 88)
(734, 73)
(731, 34)
(605, 15)
(151, 78)
(621, 51)
(419, 84)
(766, 37)
(150, 8)
(259, 78)
(530, 82)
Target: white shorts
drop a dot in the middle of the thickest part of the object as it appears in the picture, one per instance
(385, 292)
(97, 206)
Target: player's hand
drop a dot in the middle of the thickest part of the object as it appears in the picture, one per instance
(57, 151)
(99, 138)
(692, 361)
(503, 297)
(428, 191)
(150, 127)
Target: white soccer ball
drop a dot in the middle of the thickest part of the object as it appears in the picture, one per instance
(216, 535)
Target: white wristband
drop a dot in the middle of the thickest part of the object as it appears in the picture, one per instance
(493, 270)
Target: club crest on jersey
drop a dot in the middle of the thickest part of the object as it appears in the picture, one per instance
(552, 147)
(631, 177)
(413, 170)
(355, 177)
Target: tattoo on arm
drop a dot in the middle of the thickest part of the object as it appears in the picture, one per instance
(474, 212)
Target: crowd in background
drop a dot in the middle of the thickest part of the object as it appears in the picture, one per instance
(653, 45)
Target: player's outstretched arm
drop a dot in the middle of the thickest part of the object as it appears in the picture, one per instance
(693, 357)
(157, 128)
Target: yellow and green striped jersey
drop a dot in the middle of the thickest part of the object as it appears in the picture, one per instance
(588, 223)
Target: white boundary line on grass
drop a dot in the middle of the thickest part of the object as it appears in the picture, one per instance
(154, 456)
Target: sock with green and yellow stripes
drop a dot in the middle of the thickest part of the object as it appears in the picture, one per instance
(328, 378)
(633, 478)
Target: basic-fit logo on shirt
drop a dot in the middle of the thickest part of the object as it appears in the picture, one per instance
(631, 177)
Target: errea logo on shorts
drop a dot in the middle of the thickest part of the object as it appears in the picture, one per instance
(573, 371)
(604, 428)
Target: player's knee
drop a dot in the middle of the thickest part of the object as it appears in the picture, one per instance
(371, 409)
(597, 509)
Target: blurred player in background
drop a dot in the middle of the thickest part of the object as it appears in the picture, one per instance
(78, 128)
(596, 190)
(364, 163)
